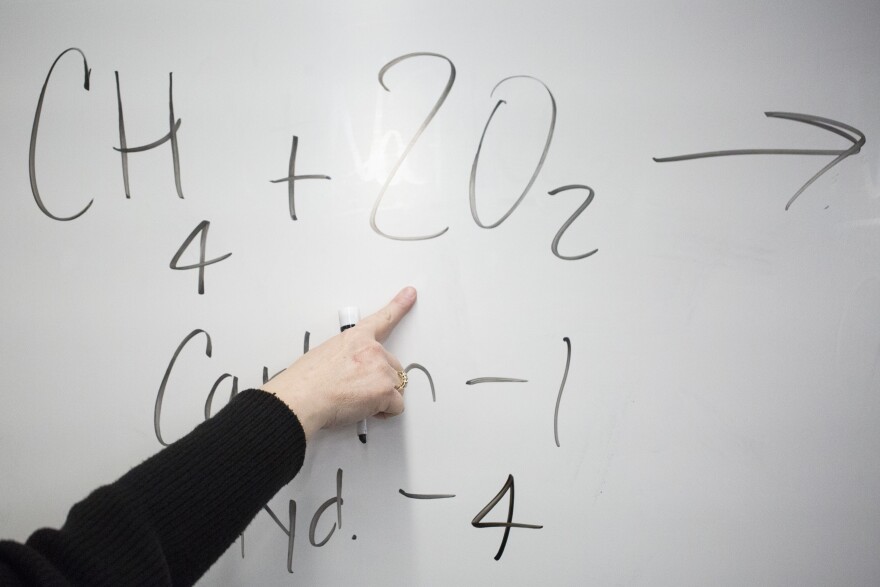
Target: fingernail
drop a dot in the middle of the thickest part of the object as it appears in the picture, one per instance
(408, 293)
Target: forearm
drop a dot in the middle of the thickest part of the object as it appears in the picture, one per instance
(167, 520)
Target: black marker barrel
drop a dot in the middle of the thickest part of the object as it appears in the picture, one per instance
(348, 317)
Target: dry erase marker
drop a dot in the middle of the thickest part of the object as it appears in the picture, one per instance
(348, 317)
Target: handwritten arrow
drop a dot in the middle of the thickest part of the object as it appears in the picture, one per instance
(838, 128)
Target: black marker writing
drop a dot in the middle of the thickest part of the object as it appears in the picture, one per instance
(561, 387)
(32, 150)
(292, 505)
(292, 178)
(173, 126)
(157, 411)
(158, 142)
(214, 387)
(412, 141)
(333, 500)
(314, 525)
(494, 380)
(339, 497)
(266, 378)
(555, 245)
(425, 495)
(412, 366)
(817, 121)
(472, 189)
(291, 514)
(477, 522)
(202, 227)
(291, 532)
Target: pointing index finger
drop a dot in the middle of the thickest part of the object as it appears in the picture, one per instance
(383, 322)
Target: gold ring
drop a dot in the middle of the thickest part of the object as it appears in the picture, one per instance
(403, 380)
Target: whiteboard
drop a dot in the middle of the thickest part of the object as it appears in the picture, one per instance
(718, 423)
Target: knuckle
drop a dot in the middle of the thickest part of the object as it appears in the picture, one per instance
(370, 350)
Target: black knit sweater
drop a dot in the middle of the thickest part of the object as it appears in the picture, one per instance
(167, 520)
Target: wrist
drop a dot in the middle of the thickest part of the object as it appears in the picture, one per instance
(307, 414)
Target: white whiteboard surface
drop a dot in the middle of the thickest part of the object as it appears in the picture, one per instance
(719, 422)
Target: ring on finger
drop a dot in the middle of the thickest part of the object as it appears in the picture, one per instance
(403, 380)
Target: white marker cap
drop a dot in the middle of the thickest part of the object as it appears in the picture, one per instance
(349, 316)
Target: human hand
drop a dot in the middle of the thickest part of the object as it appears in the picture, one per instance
(350, 376)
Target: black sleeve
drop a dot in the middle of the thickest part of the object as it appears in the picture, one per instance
(167, 520)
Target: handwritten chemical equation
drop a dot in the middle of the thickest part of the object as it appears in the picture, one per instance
(172, 138)
(289, 529)
(848, 132)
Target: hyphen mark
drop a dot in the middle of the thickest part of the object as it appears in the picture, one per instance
(32, 150)
(817, 121)
(477, 522)
(472, 190)
(292, 178)
(561, 387)
(494, 380)
(412, 142)
(202, 227)
(419, 367)
(425, 495)
(173, 126)
(554, 246)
